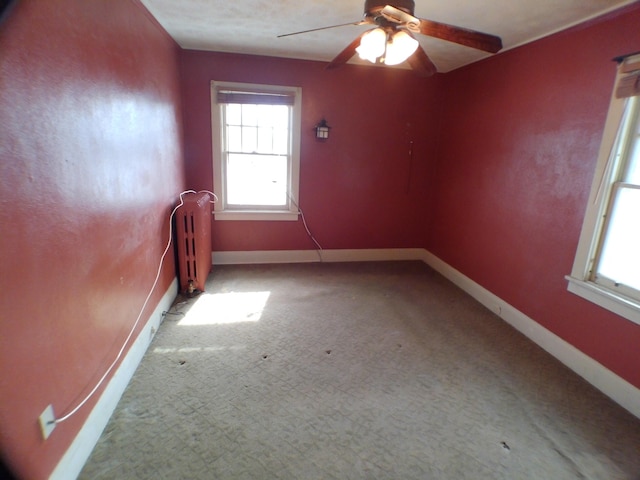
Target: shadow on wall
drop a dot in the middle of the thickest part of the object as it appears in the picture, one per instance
(4, 8)
(5, 474)
(5, 5)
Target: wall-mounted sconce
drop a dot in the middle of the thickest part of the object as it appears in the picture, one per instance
(322, 130)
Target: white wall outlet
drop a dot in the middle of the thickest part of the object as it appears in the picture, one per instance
(47, 422)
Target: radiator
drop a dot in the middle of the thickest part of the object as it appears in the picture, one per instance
(193, 239)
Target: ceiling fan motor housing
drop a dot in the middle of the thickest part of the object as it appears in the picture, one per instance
(373, 7)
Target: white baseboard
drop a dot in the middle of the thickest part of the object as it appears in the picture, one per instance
(615, 387)
(308, 256)
(78, 452)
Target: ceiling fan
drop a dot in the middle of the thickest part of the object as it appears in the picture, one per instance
(391, 42)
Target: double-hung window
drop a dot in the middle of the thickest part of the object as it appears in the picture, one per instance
(607, 265)
(256, 150)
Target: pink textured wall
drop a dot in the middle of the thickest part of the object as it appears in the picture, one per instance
(520, 138)
(359, 189)
(91, 162)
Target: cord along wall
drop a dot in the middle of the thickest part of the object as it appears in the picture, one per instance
(193, 240)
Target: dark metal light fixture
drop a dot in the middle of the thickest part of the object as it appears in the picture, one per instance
(322, 130)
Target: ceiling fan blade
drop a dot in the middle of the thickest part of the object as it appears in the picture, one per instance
(362, 22)
(345, 55)
(421, 63)
(463, 36)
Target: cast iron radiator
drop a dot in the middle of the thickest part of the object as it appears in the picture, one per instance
(193, 239)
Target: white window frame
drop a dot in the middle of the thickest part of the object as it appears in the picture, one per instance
(221, 210)
(610, 160)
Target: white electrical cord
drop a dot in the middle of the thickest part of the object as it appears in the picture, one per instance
(144, 305)
(304, 222)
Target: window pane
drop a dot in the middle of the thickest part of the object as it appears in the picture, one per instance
(633, 172)
(250, 115)
(249, 139)
(280, 115)
(233, 114)
(234, 139)
(265, 140)
(281, 141)
(257, 180)
(620, 258)
(266, 115)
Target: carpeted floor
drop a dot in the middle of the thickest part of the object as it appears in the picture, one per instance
(355, 371)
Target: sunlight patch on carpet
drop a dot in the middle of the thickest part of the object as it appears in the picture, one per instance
(225, 308)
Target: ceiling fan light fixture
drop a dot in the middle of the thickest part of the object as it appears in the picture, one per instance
(372, 45)
(400, 47)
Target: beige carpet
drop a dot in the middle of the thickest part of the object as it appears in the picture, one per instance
(355, 371)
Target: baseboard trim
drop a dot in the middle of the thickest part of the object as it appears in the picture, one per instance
(78, 452)
(309, 256)
(615, 387)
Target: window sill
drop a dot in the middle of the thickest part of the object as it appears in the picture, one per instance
(253, 215)
(623, 306)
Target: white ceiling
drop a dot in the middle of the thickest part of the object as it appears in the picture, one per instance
(252, 26)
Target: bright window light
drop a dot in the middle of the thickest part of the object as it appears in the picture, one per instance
(256, 132)
(620, 260)
(226, 308)
(257, 179)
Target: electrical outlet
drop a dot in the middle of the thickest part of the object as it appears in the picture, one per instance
(47, 421)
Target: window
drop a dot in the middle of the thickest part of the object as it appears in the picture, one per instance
(607, 265)
(256, 150)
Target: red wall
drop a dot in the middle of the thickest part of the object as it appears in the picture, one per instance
(91, 162)
(521, 133)
(359, 189)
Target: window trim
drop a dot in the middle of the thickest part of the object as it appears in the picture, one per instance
(220, 211)
(580, 281)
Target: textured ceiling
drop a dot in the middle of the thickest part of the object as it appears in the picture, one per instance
(252, 26)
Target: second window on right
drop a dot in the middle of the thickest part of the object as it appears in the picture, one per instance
(617, 262)
(606, 268)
